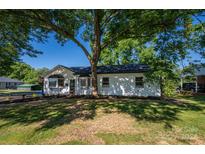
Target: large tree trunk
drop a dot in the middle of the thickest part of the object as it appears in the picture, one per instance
(94, 80)
(96, 51)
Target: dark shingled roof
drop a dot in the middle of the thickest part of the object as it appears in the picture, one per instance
(5, 79)
(109, 69)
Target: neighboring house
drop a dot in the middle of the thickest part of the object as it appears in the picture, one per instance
(200, 78)
(120, 80)
(8, 83)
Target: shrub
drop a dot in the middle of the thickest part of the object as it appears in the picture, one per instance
(170, 88)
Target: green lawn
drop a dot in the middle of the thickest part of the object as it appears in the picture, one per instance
(104, 121)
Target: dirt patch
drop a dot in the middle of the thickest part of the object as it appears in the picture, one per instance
(197, 141)
(86, 130)
(113, 123)
(162, 143)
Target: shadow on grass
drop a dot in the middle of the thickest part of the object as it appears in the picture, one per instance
(199, 98)
(53, 113)
(155, 111)
(57, 112)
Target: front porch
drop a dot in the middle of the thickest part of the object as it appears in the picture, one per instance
(58, 84)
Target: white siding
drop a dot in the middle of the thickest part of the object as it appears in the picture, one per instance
(119, 84)
(82, 90)
(124, 85)
(68, 75)
(2, 85)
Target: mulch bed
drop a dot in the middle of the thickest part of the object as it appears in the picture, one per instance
(112, 97)
(20, 99)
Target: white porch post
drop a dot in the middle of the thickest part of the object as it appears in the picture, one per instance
(77, 85)
(89, 88)
(57, 87)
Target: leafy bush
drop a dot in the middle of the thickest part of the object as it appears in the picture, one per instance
(170, 88)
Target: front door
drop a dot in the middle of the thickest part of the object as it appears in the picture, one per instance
(72, 86)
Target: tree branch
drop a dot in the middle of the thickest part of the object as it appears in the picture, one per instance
(109, 18)
(164, 24)
(64, 32)
(120, 34)
(202, 24)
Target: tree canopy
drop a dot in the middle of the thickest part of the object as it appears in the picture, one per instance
(166, 52)
(16, 36)
(26, 73)
(172, 32)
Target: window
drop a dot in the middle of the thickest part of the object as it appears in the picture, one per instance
(105, 82)
(139, 82)
(52, 83)
(83, 82)
(61, 82)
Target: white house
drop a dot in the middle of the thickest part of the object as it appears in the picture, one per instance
(119, 80)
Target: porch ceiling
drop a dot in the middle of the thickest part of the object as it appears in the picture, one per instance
(56, 76)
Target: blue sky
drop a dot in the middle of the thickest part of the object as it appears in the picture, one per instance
(53, 54)
(69, 54)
